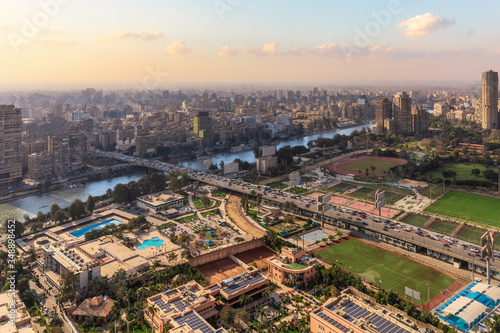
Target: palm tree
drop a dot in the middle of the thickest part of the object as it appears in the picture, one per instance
(172, 256)
(151, 311)
(245, 300)
(155, 265)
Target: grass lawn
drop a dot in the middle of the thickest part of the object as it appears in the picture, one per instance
(471, 235)
(391, 197)
(277, 185)
(253, 214)
(295, 266)
(297, 190)
(416, 220)
(187, 218)
(200, 205)
(468, 206)
(342, 187)
(367, 193)
(210, 212)
(442, 227)
(463, 171)
(497, 243)
(386, 269)
(382, 166)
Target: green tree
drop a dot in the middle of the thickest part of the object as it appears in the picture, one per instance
(15, 226)
(67, 283)
(121, 193)
(90, 204)
(239, 239)
(59, 216)
(77, 209)
(54, 208)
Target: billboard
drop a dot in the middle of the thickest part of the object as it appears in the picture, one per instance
(379, 204)
(327, 207)
(267, 151)
(412, 293)
(324, 198)
(201, 134)
(379, 195)
(294, 175)
(294, 182)
(231, 168)
(195, 125)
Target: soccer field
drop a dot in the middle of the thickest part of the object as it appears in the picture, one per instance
(386, 269)
(381, 165)
(468, 206)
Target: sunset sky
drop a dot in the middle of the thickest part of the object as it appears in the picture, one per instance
(76, 43)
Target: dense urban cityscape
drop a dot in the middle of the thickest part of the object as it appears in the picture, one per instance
(343, 187)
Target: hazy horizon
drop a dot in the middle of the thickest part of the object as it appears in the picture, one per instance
(56, 44)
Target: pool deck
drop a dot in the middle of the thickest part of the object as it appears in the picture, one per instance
(153, 251)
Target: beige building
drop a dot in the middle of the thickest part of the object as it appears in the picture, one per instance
(265, 163)
(401, 106)
(441, 109)
(14, 317)
(10, 144)
(383, 111)
(489, 84)
(292, 267)
(39, 166)
(356, 312)
(160, 201)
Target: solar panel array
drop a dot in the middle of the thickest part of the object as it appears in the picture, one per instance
(242, 284)
(355, 311)
(384, 326)
(195, 322)
(332, 321)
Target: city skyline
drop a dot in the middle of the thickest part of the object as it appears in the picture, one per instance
(61, 44)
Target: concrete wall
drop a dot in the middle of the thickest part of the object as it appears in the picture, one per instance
(225, 252)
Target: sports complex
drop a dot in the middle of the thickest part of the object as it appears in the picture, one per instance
(468, 207)
(388, 270)
(359, 165)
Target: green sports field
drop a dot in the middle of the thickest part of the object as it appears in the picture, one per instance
(386, 269)
(468, 206)
(381, 165)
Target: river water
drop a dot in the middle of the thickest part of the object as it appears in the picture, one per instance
(248, 155)
(33, 204)
(64, 197)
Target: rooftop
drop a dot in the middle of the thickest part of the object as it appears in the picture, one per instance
(240, 283)
(161, 198)
(97, 306)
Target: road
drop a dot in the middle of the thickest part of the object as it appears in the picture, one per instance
(305, 204)
(50, 303)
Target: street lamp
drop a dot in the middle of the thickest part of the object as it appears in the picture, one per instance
(428, 284)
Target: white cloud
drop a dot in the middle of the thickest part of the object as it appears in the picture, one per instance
(264, 51)
(149, 34)
(421, 25)
(178, 48)
(229, 51)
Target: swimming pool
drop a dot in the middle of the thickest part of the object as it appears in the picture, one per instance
(314, 236)
(80, 233)
(155, 241)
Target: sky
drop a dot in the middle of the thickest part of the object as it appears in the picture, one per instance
(162, 43)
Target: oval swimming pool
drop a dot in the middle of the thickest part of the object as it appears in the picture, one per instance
(155, 241)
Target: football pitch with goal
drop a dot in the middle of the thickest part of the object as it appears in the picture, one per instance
(386, 269)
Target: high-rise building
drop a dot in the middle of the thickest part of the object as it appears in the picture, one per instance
(202, 126)
(490, 100)
(401, 108)
(69, 152)
(39, 165)
(420, 120)
(383, 111)
(441, 109)
(10, 144)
